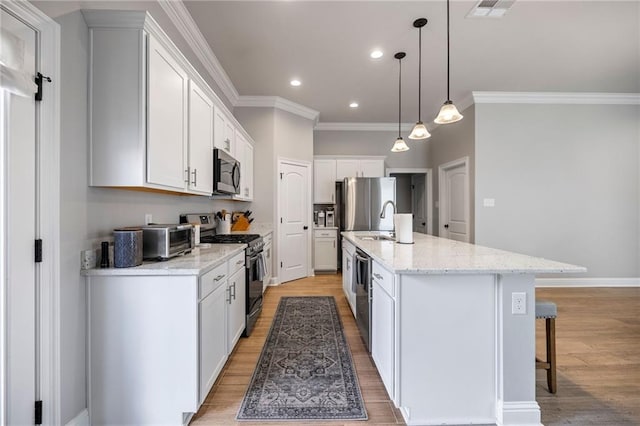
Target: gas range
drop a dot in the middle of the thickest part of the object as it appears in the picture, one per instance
(254, 241)
(208, 221)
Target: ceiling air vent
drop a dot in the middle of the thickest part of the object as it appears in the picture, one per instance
(490, 9)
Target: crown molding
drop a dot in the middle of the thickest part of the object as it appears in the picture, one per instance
(278, 103)
(182, 19)
(574, 98)
(363, 127)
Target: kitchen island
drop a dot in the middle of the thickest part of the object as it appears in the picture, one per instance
(447, 342)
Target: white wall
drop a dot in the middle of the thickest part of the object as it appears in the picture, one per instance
(451, 142)
(332, 142)
(89, 215)
(566, 183)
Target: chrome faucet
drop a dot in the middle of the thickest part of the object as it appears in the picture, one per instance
(384, 207)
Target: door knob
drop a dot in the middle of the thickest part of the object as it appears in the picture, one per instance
(305, 227)
(446, 226)
(424, 223)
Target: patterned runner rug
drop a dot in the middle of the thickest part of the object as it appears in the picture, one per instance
(305, 370)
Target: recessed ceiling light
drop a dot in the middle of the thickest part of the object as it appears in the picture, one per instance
(376, 54)
(295, 83)
(353, 105)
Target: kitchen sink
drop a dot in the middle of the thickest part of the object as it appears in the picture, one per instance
(376, 238)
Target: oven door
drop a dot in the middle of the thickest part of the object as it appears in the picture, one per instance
(254, 291)
(226, 173)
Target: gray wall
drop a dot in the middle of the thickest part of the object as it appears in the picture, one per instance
(450, 142)
(566, 183)
(332, 142)
(88, 215)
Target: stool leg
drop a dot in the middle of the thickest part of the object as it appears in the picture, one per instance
(551, 353)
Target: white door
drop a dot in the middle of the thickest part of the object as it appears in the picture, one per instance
(19, 219)
(294, 231)
(454, 200)
(419, 203)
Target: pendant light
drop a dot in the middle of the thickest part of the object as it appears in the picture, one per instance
(448, 113)
(399, 145)
(419, 130)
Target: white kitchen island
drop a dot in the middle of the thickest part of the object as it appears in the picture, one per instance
(444, 338)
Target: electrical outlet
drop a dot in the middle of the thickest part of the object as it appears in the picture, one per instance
(519, 303)
(148, 218)
(88, 259)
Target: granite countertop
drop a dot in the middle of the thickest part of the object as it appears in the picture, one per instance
(434, 255)
(200, 260)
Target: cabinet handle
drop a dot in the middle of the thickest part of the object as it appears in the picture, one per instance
(219, 277)
(229, 294)
(195, 177)
(234, 291)
(227, 141)
(378, 276)
(334, 243)
(187, 171)
(332, 198)
(239, 262)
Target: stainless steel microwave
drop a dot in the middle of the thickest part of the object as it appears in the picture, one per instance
(226, 173)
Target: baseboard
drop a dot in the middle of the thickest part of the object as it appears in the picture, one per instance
(587, 282)
(274, 281)
(521, 413)
(82, 419)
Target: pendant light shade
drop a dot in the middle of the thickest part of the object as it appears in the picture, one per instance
(399, 145)
(448, 113)
(419, 130)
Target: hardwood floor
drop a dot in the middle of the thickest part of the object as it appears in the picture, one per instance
(598, 349)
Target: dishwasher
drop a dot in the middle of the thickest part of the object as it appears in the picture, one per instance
(362, 265)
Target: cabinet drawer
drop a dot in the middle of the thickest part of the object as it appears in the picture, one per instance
(325, 233)
(212, 280)
(236, 263)
(384, 278)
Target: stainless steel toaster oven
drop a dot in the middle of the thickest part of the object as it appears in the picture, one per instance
(166, 241)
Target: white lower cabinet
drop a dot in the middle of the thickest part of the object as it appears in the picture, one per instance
(212, 326)
(383, 309)
(325, 251)
(348, 251)
(236, 307)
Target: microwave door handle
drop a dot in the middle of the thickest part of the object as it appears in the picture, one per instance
(235, 175)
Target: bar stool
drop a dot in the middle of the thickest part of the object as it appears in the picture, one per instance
(549, 311)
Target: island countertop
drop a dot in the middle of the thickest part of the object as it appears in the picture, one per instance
(434, 255)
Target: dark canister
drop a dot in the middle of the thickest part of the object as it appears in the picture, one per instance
(127, 251)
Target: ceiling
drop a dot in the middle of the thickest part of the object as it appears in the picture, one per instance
(569, 46)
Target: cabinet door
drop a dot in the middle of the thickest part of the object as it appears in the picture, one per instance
(325, 254)
(240, 146)
(248, 171)
(221, 139)
(200, 141)
(167, 119)
(324, 181)
(383, 335)
(371, 168)
(213, 353)
(347, 168)
(236, 307)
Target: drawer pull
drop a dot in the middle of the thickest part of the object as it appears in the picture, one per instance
(240, 262)
(378, 276)
(219, 277)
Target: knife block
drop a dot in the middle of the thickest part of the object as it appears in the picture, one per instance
(241, 224)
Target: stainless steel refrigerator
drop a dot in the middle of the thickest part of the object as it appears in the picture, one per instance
(362, 200)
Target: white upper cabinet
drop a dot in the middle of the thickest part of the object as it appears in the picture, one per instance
(224, 133)
(244, 154)
(153, 119)
(359, 167)
(324, 181)
(200, 167)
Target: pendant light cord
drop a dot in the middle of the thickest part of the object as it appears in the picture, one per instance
(420, 74)
(448, 67)
(399, 96)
